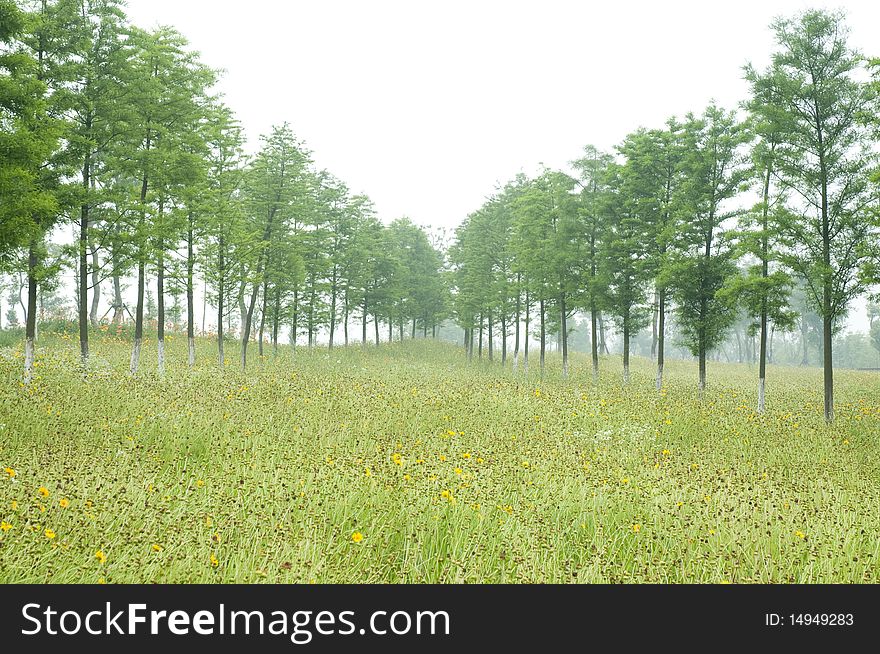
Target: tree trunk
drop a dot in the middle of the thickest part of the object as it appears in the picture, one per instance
(594, 340)
(480, 342)
(516, 327)
(118, 307)
(221, 297)
(30, 333)
(364, 323)
(661, 336)
(543, 336)
(490, 334)
(332, 313)
(265, 306)
(526, 337)
(160, 293)
(654, 311)
(276, 319)
(626, 349)
(96, 290)
(138, 319)
(83, 261)
(564, 336)
(190, 295)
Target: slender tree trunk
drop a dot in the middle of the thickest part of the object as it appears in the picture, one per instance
(138, 318)
(480, 343)
(364, 323)
(594, 339)
(276, 320)
(190, 294)
(543, 336)
(96, 290)
(221, 297)
(413, 335)
(345, 312)
(661, 336)
(118, 307)
(160, 293)
(332, 313)
(503, 340)
(626, 320)
(490, 334)
(526, 336)
(295, 324)
(654, 311)
(376, 326)
(83, 260)
(262, 330)
(516, 327)
(563, 310)
(30, 332)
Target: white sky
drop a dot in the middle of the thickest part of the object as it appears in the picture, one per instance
(425, 106)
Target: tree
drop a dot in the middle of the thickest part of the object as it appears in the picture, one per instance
(592, 169)
(714, 170)
(814, 98)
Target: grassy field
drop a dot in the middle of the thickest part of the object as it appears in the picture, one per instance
(404, 464)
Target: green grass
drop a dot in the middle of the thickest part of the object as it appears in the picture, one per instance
(451, 472)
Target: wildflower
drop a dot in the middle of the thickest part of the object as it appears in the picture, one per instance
(102, 581)
(445, 494)
(42, 490)
(214, 561)
(64, 503)
(800, 534)
(157, 547)
(624, 481)
(200, 483)
(5, 526)
(9, 471)
(102, 558)
(14, 505)
(367, 473)
(357, 537)
(466, 455)
(637, 528)
(458, 471)
(398, 460)
(49, 534)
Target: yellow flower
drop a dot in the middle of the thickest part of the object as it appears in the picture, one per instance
(367, 473)
(214, 561)
(157, 547)
(200, 483)
(42, 490)
(800, 534)
(102, 581)
(625, 480)
(5, 526)
(442, 457)
(466, 455)
(637, 528)
(9, 471)
(64, 503)
(14, 505)
(102, 558)
(458, 471)
(49, 534)
(397, 459)
(357, 537)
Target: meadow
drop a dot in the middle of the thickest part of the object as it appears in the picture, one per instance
(405, 464)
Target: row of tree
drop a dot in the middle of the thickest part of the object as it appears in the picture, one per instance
(118, 131)
(664, 224)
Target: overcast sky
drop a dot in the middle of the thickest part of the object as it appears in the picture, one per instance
(425, 106)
